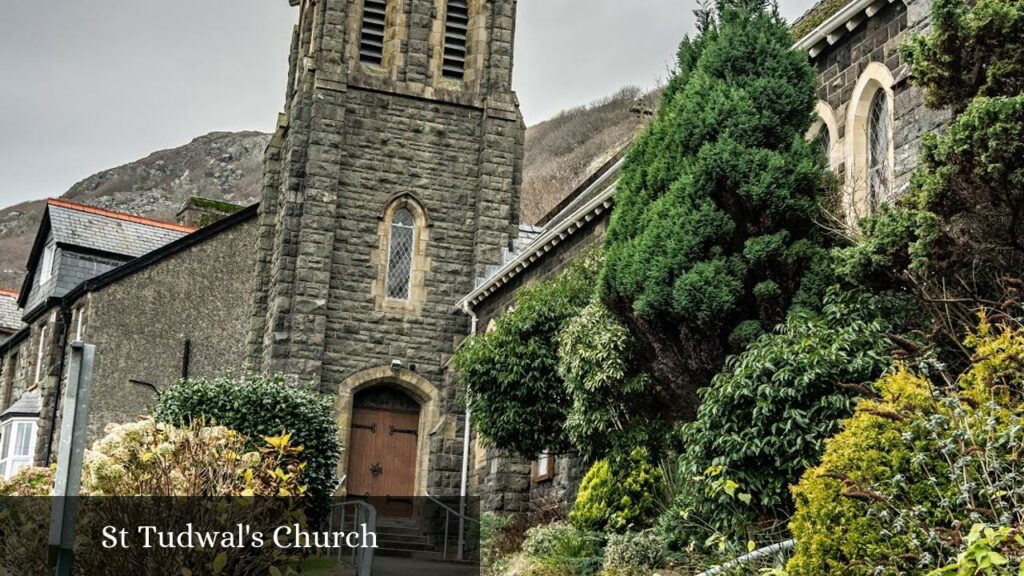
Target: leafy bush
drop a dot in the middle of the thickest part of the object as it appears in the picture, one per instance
(261, 407)
(617, 495)
(615, 407)
(643, 551)
(956, 239)
(149, 458)
(28, 482)
(714, 221)
(141, 471)
(517, 397)
(561, 549)
(765, 418)
(911, 469)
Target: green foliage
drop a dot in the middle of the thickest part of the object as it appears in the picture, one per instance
(560, 549)
(957, 236)
(911, 468)
(974, 49)
(983, 556)
(262, 407)
(28, 482)
(617, 495)
(714, 220)
(637, 550)
(517, 397)
(615, 407)
(149, 458)
(765, 418)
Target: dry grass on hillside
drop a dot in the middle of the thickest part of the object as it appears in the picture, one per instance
(562, 152)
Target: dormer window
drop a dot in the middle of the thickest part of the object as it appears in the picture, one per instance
(371, 42)
(46, 266)
(456, 28)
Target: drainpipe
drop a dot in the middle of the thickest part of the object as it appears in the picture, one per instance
(463, 492)
(65, 326)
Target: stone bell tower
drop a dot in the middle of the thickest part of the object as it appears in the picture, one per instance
(391, 184)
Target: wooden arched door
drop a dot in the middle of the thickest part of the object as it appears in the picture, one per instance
(383, 448)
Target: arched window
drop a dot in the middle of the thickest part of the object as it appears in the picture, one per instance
(824, 134)
(401, 245)
(869, 175)
(879, 142)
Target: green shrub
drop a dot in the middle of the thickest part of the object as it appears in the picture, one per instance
(714, 225)
(956, 237)
(909, 470)
(615, 407)
(765, 418)
(617, 495)
(561, 549)
(513, 388)
(643, 551)
(261, 407)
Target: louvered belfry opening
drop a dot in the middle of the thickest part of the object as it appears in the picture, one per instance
(371, 43)
(456, 27)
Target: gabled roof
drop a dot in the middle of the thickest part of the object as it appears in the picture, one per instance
(89, 229)
(10, 312)
(592, 199)
(829, 20)
(112, 232)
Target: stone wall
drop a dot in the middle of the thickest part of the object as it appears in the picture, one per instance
(841, 65)
(504, 481)
(140, 324)
(355, 139)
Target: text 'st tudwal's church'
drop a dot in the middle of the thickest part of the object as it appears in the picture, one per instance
(391, 185)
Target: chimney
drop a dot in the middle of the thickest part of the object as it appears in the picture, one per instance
(201, 212)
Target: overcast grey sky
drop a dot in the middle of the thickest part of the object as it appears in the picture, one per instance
(87, 85)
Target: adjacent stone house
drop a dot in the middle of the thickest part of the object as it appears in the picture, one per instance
(387, 233)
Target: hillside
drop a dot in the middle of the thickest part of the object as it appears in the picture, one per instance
(221, 165)
(560, 154)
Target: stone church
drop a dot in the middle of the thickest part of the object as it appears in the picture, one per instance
(388, 231)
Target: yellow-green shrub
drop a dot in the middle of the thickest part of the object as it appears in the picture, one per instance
(910, 469)
(617, 496)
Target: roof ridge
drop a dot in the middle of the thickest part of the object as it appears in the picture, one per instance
(119, 215)
(11, 293)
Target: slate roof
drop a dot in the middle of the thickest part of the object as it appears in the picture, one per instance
(92, 228)
(28, 405)
(10, 313)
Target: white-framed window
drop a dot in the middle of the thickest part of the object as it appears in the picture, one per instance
(46, 267)
(17, 444)
(879, 143)
(41, 354)
(79, 313)
(401, 245)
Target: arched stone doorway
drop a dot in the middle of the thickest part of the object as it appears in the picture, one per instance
(383, 448)
(386, 418)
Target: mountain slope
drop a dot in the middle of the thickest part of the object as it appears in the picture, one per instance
(560, 154)
(222, 165)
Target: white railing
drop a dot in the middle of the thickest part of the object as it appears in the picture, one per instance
(776, 550)
(360, 513)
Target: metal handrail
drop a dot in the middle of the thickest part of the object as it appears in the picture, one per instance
(451, 510)
(365, 513)
(748, 558)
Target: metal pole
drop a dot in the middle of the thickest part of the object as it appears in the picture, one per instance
(464, 491)
(71, 453)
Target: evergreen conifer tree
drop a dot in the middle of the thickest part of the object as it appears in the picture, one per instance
(714, 225)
